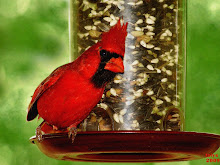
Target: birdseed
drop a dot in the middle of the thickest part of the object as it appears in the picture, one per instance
(142, 98)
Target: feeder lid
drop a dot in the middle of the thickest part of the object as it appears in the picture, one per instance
(129, 146)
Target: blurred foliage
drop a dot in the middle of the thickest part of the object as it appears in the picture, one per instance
(34, 41)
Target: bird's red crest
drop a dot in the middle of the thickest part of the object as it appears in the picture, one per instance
(114, 39)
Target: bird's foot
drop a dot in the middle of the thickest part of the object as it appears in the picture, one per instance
(72, 131)
(55, 128)
(39, 134)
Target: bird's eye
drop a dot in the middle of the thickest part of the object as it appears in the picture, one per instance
(103, 53)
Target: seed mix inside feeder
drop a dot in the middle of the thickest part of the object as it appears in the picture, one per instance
(152, 84)
(142, 109)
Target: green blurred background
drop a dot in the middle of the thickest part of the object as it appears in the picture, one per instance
(34, 41)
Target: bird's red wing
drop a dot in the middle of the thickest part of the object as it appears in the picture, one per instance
(46, 84)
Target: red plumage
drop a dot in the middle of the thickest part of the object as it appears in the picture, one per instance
(69, 93)
(113, 39)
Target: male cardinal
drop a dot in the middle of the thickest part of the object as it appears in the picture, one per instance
(67, 96)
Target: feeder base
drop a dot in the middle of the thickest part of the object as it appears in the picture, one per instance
(129, 146)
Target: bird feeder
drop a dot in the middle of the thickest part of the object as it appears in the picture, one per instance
(140, 117)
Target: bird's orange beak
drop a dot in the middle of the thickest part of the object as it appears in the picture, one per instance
(115, 65)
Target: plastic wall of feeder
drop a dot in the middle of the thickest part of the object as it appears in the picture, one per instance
(150, 95)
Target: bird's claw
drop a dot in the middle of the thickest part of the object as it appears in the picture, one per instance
(72, 131)
(39, 134)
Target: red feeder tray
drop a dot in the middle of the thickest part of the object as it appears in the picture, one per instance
(129, 146)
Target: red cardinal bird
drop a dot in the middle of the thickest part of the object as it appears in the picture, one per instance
(67, 96)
